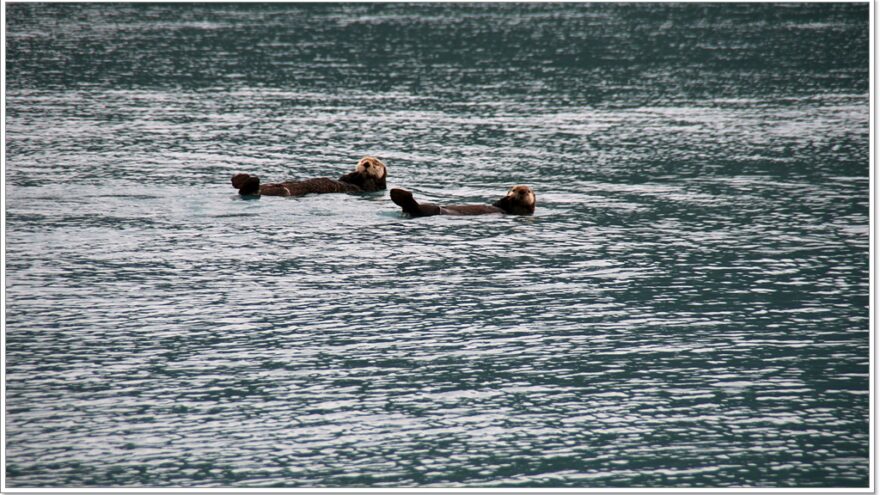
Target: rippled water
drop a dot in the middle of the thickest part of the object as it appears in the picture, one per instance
(687, 307)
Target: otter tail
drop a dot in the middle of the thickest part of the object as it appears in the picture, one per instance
(247, 185)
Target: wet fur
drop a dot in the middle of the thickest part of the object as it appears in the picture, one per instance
(520, 200)
(369, 175)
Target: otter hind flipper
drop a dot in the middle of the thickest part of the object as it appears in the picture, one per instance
(238, 180)
(249, 186)
(405, 200)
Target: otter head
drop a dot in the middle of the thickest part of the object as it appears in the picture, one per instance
(520, 200)
(371, 167)
(369, 174)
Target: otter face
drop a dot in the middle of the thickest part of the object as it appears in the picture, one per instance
(522, 195)
(371, 167)
(520, 200)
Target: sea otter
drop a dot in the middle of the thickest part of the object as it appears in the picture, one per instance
(368, 176)
(520, 200)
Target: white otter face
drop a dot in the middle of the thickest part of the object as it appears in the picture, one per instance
(522, 195)
(372, 167)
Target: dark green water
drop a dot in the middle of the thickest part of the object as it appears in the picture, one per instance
(687, 308)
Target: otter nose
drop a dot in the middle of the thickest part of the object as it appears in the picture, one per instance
(367, 165)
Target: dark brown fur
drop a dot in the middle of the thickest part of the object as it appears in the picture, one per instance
(361, 180)
(520, 200)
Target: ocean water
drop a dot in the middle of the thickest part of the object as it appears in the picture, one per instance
(688, 307)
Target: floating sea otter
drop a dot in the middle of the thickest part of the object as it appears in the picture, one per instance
(368, 176)
(520, 200)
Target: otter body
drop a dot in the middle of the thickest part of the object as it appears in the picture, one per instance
(249, 185)
(520, 200)
(368, 176)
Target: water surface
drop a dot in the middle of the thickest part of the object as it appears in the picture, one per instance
(688, 307)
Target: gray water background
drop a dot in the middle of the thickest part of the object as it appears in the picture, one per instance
(687, 307)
